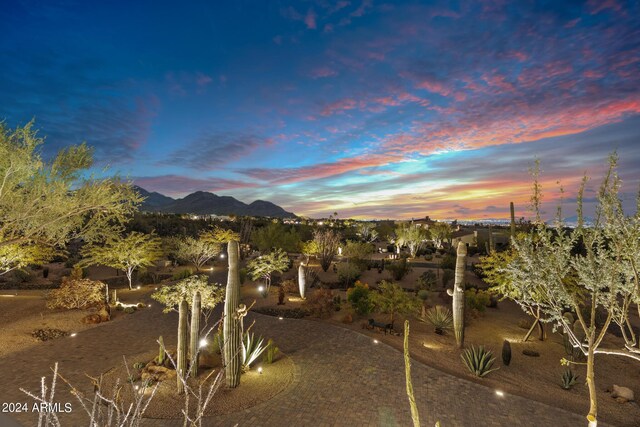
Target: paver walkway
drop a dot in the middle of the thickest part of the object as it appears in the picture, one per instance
(342, 379)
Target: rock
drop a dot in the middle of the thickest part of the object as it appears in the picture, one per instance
(91, 319)
(530, 353)
(157, 373)
(207, 360)
(622, 394)
(348, 318)
(105, 313)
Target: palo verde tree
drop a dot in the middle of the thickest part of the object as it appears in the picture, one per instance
(411, 235)
(439, 233)
(393, 300)
(367, 231)
(45, 203)
(127, 253)
(265, 265)
(327, 242)
(590, 269)
(197, 251)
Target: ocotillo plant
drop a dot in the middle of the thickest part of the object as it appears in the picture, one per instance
(232, 332)
(194, 341)
(181, 364)
(302, 280)
(513, 220)
(458, 295)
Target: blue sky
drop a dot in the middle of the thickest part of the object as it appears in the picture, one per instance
(371, 109)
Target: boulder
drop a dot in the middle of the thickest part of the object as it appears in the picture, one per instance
(622, 394)
(91, 319)
(207, 359)
(105, 313)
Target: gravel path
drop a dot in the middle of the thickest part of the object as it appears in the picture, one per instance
(342, 378)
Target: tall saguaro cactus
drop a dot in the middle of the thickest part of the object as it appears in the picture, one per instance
(302, 280)
(181, 363)
(231, 330)
(458, 294)
(513, 220)
(194, 338)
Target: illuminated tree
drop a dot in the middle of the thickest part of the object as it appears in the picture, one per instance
(393, 300)
(440, 232)
(197, 250)
(327, 242)
(126, 253)
(411, 235)
(43, 204)
(367, 231)
(265, 265)
(590, 270)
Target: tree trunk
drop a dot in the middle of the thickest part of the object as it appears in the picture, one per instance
(591, 383)
(130, 276)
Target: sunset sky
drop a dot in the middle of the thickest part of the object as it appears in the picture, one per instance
(372, 109)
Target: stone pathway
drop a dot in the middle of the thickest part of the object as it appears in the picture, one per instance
(342, 378)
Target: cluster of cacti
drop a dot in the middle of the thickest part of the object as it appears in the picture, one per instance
(161, 353)
(302, 280)
(181, 363)
(232, 329)
(506, 353)
(458, 294)
(194, 341)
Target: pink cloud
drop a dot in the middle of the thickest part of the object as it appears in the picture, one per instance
(323, 72)
(339, 106)
(310, 20)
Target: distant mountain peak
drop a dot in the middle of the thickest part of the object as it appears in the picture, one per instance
(206, 203)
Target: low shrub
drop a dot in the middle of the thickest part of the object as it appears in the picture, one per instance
(477, 300)
(348, 272)
(569, 379)
(182, 274)
(427, 281)
(76, 294)
(398, 269)
(447, 275)
(359, 298)
(320, 303)
(289, 313)
(271, 352)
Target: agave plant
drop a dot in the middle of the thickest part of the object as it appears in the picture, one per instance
(440, 317)
(251, 349)
(478, 360)
(569, 378)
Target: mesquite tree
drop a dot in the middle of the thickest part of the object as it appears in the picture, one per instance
(327, 242)
(411, 235)
(589, 270)
(197, 251)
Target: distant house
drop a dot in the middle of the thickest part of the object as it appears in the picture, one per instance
(425, 223)
(464, 235)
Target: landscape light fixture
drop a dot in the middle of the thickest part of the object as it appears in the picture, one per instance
(73, 334)
(260, 370)
(499, 393)
(203, 343)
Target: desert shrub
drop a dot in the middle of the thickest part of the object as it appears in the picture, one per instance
(427, 281)
(182, 274)
(477, 300)
(359, 298)
(45, 272)
(76, 294)
(243, 275)
(147, 278)
(171, 295)
(22, 276)
(448, 262)
(290, 286)
(129, 310)
(399, 269)
(47, 334)
(320, 303)
(271, 352)
(440, 317)
(289, 313)
(478, 360)
(447, 275)
(348, 272)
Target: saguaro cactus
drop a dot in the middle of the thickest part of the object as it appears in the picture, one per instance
(232, 332)
(161, 352)
(194, 344)
(302, 280)
(513, 220)
(458, 295)
(181, 363)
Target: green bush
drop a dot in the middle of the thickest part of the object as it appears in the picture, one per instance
(448, 262)
(21, 276)
(477, 300)
(427, 281)
(447, 275)
(569, 379)
(243, 275)
(182, 274)
(359, 298)
(399, 269)
(130, 310)
(271, 352)
(478, 360)
(348, 272)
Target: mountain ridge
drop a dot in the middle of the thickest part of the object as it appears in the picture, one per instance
(206, 203)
